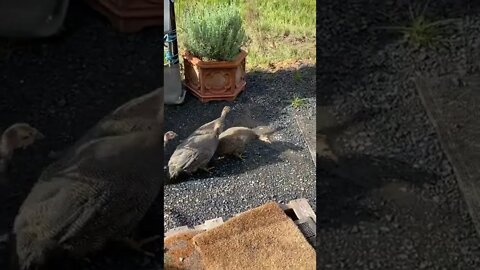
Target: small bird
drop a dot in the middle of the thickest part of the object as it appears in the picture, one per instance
(17, 136)
(233, 141)
(196, 151)
(94, 193)
(168, 136)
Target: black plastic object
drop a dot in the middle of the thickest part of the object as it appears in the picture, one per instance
(31, 18)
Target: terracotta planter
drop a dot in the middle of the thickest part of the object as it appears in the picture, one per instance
(130, 15)
(215, 80)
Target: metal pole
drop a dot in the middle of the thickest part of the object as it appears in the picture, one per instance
(174, 29)
(174, 92)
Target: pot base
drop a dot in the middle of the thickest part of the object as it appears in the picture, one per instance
(128, 19)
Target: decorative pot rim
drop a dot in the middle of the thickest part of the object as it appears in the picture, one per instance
(215, 64)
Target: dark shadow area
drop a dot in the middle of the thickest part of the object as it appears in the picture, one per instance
(342, 185)
(62, 86)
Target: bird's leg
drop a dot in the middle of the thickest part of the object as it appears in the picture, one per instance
(206, 169)
(137, 245)
(240, 156)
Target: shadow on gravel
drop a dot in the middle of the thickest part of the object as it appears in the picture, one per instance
(264, 100)
(342, 185)
(339, 71)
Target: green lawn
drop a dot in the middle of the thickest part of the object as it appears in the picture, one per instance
(279, 30)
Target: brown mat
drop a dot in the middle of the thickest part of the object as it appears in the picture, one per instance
(261, 238)
(180, 253)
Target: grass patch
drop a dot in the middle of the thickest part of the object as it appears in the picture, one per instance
(297, 76)
(421, 31)
(298, 102)
(277, 30)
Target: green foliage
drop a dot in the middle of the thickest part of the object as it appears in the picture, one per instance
(298, 102)
(297, 75)
(421, 32)
(213, 32)
(277, 30)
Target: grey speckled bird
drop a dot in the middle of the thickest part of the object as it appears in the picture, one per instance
(233, 141)
(98, 195)
(96, 192)
(196, 151)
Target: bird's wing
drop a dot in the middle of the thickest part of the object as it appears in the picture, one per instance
(183, 157)
(138, 114)
(92, 198)
(143, 106)
(72, 210)
(230, 144)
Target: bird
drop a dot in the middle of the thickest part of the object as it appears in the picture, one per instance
(168, 136)
(196, 151)
(97, 193)
(17, 136)
(233, 141)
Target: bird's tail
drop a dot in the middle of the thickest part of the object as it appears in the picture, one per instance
(264, 133)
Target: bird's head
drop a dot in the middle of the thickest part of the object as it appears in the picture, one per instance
(169, 135)
(19, 135)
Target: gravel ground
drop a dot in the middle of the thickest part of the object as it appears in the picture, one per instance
(392, 201)
(280, 172)
(62, 86)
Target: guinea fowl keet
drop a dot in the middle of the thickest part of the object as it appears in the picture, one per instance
(168, 136)
(196, 151)
(96, 194)
(233, 141)
(17, 136)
